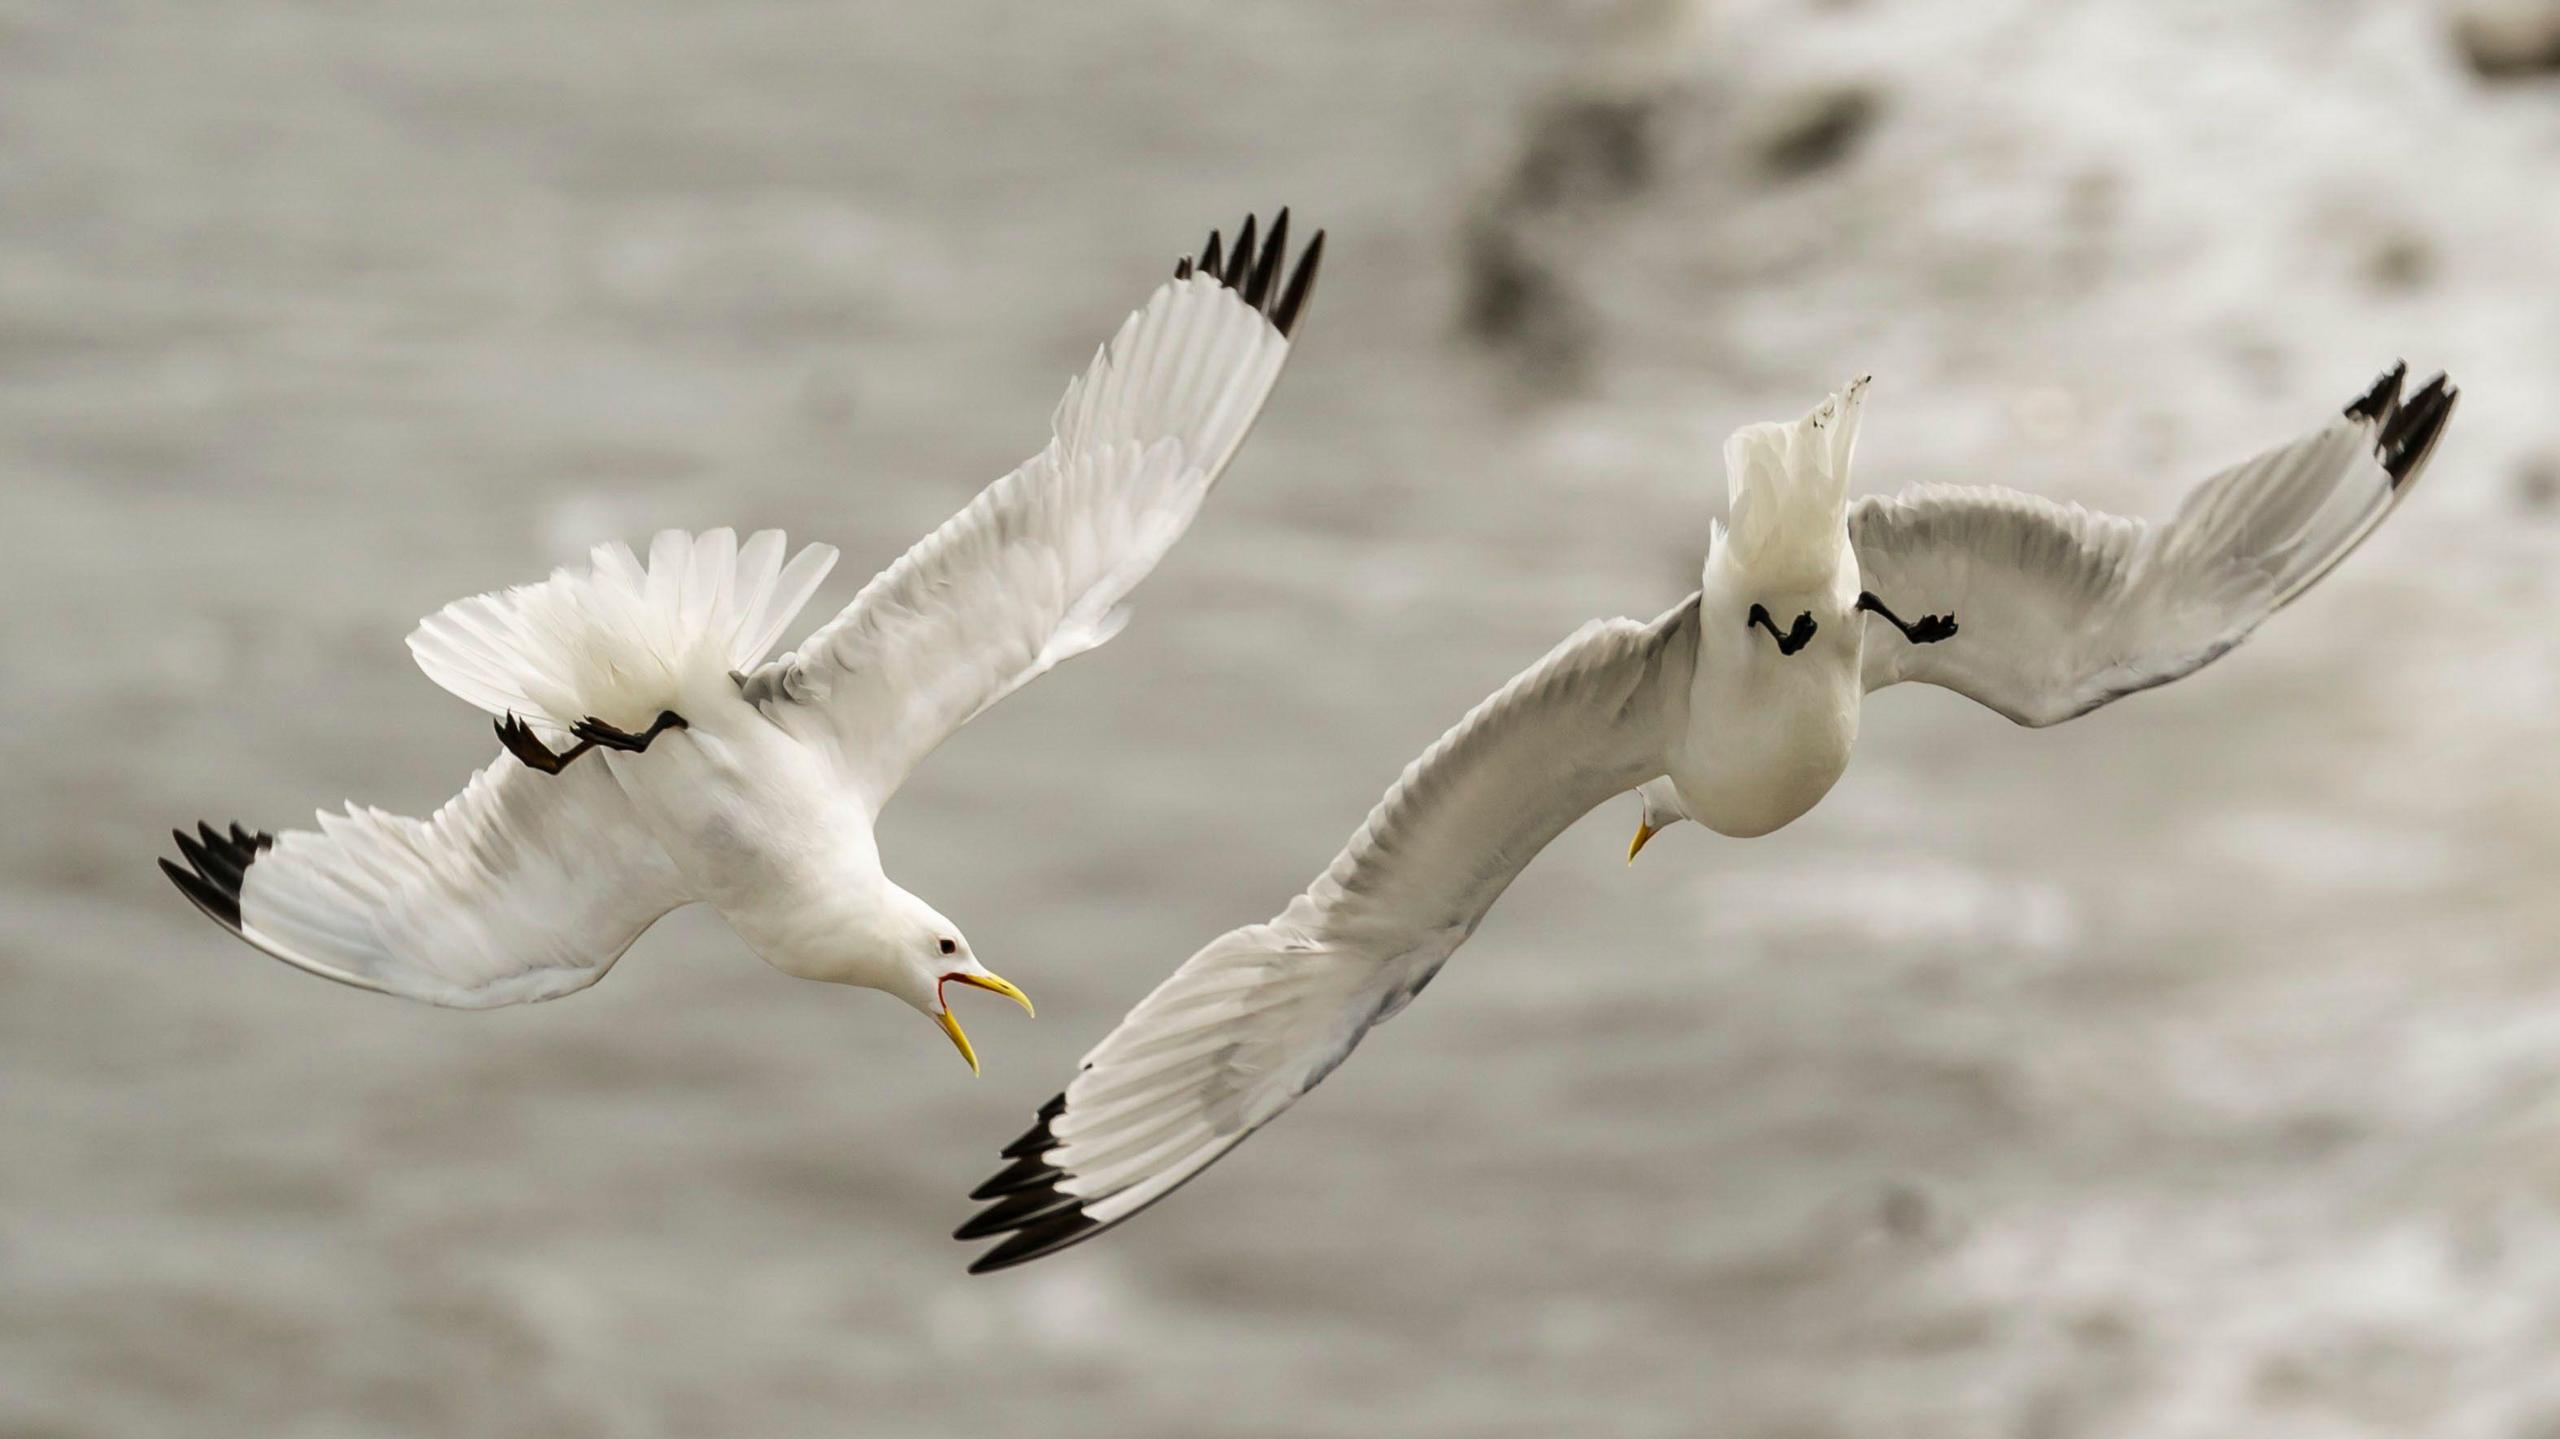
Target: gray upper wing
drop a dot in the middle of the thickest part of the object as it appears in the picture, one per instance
(1262, 1013)
(2059, 610)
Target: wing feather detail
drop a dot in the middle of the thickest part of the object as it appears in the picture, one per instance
(1036, 569)
(2061, 610)
(523, 887)
(1263, 1013)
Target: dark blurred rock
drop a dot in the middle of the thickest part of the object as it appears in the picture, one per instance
(1515, 300)
(1814, 130)
(2538, 483)
(1603, 137)
(2506, 39)
(1587, 147)
(1909, 1213)
(2402, 262)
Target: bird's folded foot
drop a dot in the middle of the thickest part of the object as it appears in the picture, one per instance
(1927, 630)
(596, 732)
(527, 746)
(1796, 637)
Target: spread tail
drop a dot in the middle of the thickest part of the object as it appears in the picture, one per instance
(619, 642)
(1788, 485)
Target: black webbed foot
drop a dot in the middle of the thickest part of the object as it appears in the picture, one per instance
(525, 745)
(1927, 630)
(593, 731)
(1797, 636)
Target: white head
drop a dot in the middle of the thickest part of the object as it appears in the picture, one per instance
(906, 947)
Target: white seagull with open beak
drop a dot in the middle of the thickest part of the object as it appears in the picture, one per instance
(753, 786)
(1736, 708)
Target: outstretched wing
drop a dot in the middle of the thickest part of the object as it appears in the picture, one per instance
(2059, 610)
(1034, 570)
(524, 886)
(1264, 1012)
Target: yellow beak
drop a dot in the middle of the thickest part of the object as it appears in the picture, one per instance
(1000, 985)
(951, 1022)
(1644, 833)
(951, 1026)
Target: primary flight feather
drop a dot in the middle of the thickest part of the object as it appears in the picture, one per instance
(1736, 708)
(747, 784)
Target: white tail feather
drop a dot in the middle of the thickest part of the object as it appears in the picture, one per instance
(1788, 486)
(620, 642)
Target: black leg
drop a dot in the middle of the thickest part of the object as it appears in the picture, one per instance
(596, 732)
(1796, 637)
(1927, 630)
(521, 742)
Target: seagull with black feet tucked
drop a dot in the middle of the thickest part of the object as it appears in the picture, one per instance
(2040, 611)
(749, 785)
(1736, 708)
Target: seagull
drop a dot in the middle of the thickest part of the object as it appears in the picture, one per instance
(1736, 708)
(753, 785)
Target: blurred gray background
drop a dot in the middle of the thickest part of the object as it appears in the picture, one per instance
(2191, 1070)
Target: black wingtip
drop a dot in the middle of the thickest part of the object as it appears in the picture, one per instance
(1072, 1227)
(1037, 1136)
(1043, 1217)
(221, 908)
(217, 864)
(1016, 1211)
(1240, 259)
(1024, 1173)
(1302, 283)
(1257, 282)
(2383, 398)
(1259, 270)
(2410, 432)
(1025, 1199)
(2405, 429)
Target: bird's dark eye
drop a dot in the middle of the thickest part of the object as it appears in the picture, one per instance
(951, 946)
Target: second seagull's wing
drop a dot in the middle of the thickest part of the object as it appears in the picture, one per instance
(1264, 1012)
(2060, 610)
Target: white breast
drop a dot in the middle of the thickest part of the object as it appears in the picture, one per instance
(1768, 733)
(754, 824)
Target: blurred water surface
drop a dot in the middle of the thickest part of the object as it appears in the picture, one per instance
(2186, 1071)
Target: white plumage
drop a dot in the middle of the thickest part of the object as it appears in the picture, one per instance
(748, 785)
(1264, 1012)
(1051, 550)
(1738, 708)
(616, 641)
(2070, 608)
(522, 887)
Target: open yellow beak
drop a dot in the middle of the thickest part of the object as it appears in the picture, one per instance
(1644, 833)
(951, 1022)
